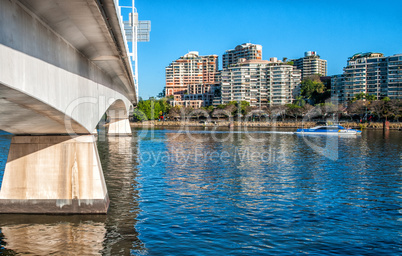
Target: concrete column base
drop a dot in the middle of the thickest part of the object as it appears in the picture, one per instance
(53, 175)
(118, 127)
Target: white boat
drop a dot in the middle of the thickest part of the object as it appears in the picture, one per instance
(329, 130)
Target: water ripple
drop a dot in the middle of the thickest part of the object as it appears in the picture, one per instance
(203, 193)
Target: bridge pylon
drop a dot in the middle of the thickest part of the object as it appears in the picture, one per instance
(53, 175)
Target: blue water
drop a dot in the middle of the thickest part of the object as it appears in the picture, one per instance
(245, 193)
(5, 139)
(295, 201)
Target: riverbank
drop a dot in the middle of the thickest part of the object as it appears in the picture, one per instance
(372, 125)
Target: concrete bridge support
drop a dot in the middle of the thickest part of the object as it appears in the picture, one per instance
(53, 174)
(119, 127)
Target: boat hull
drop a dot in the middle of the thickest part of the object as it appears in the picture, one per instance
(328, 131)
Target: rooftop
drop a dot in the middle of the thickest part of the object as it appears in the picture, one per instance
(245, 45)
(366, 55)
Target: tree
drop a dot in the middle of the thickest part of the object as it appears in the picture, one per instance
(162, 94)
(208, 109)
(306, 109)
(359, 96)
(312, 111)
(313, 89)
(263, 111)
(165, 105)
(199, 112)
(152, 109)
(371, 97)
(144, 106)
(396, 105)
(364, 96)
(243, 107)
(253, 112)
(293, 110)
(186, 112)
(139, 115)
(221, 106)
(175, 112)
(157, 109)
(328, 109)
(278, 111)
(386, 108)
(231, 107)
(299, 101)
(357, 107)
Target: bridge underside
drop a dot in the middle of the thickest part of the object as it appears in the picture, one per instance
(32, 116)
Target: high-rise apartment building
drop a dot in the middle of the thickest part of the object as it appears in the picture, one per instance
(311, 64)
(394, 90)
(246, 51)
(338, 89)
(192, 76)
(370, 73)
(367, 73)
(260, 82)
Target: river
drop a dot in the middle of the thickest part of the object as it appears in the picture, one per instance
(220, 192)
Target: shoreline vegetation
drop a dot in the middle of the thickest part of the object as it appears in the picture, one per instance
(260, 124)
(364, 111)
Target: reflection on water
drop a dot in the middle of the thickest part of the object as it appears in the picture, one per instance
(118, 158)
(203, 193)
(52, 235)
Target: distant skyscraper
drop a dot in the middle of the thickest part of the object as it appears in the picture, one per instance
(260, 82)
(246, 51)
(311, 64)
(192, 79)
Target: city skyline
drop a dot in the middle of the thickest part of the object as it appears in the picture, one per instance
(335, 30)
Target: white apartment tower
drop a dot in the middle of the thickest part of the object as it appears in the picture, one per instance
(246, 51)
(369, 73)
(311, 64)
(260, 82)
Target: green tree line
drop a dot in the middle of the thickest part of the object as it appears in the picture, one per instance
(151, 109)
(312, 101)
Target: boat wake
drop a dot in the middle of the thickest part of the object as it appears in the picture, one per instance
(248, 132)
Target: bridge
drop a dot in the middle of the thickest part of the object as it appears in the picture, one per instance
(63, 65)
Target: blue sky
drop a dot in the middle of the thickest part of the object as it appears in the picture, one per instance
(284, 28)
